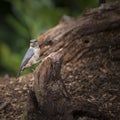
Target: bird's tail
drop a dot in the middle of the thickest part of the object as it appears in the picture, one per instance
(18, 74)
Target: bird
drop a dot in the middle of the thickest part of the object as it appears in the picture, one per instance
(31, 57)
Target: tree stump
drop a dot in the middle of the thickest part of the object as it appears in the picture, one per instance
(78, 77)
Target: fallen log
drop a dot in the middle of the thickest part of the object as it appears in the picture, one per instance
(78, 77)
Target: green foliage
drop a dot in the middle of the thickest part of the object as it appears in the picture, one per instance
(36, 14)
(8, 60)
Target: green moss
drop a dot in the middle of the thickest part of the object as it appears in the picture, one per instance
(24, 116)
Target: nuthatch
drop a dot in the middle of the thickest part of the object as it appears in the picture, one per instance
(31, 57)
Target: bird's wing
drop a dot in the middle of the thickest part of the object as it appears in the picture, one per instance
(26, 58)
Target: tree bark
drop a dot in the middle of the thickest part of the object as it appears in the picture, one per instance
(78, 77)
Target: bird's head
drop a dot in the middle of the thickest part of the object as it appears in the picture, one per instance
(34, 43)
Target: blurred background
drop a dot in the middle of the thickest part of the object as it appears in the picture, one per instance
(22, 20)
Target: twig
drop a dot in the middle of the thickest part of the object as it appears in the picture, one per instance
(4, 105)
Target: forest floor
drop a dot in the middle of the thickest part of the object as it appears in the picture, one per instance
(13, 96)
(102, 92)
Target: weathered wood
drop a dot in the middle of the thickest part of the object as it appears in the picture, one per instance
(84, 54)
(47, 82)
(68, 33)
(102, 1)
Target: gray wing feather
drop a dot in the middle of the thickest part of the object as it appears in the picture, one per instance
(26, 58)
